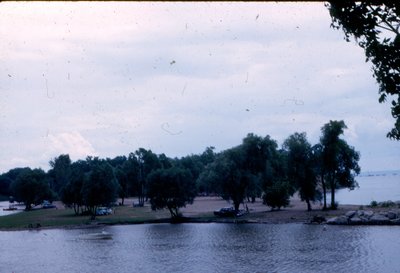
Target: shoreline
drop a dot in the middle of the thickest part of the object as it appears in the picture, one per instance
(201, 211)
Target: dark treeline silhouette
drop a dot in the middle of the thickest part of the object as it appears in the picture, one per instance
(257, 168)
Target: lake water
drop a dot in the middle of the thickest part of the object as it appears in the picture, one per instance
(216, 247)
(204, 248)
(377, 186)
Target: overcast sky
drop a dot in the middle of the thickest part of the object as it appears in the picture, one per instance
(104, 79)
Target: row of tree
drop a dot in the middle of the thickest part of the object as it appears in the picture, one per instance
(256, 168)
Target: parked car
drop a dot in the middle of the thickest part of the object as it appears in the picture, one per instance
(47, 205)
(229, 212)
(103, 211)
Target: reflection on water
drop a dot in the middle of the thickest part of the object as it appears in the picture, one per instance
(204, 248)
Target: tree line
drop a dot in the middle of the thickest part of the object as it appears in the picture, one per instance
(257, 168)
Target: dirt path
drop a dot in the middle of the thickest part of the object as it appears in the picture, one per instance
(295, 213)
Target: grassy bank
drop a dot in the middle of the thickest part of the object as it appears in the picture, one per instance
(47, 218)
(200, 211)
(3, 198)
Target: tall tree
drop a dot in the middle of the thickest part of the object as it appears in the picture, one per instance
(276, 187)
(376, 28)
(226, 176)
(100, 187)
(147, 162)
(60, 172)
(122, 178)
(71, 194)
(319, 170)
(339, 159)
(171, 188)
(31, 187)
(300, 167)
(257, 152)
(131, 170)
(7, 178)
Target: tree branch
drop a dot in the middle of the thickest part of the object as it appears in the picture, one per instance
(390, 27)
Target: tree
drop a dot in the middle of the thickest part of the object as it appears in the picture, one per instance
(256, 151)
(147, 162)
(319, 170)
(100, 187)
(60, 172)
(340, 161)
(31, 187)
(7, 178)
(233, 177)
(276, 187)
(71, 194)
(123, 182)
(171, 188)
(300, 167)
(277, 195)
(376, 28)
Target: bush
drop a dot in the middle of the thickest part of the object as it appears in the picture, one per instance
(387, 204)
(373, 204)
(277, 195)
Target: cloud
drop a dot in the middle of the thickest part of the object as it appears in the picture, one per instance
(72, 143)
(108, 78)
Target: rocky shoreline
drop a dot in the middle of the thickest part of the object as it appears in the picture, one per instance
(367, 217)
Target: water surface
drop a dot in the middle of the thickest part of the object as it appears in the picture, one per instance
(378, 187)
(204, 248)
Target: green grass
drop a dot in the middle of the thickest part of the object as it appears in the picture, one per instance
(3, 198)
(66, 217)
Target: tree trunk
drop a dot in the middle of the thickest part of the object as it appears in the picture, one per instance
(332, 182)
(324, 191)
(333, 206)
(308, 205)
(236, 204)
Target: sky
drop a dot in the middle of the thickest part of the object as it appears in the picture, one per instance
(104, 79)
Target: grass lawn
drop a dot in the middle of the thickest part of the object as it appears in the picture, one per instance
(3, 198)
(66, 217)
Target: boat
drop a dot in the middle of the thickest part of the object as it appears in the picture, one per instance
(10, 208)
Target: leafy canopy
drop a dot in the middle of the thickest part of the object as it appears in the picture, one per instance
(375, 27)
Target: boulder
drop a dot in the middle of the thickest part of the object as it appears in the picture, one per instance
(378, 219)
(368, 214)
(350, 213)
(395, 222)
(391, 215)
(355, 220)
(340, 220)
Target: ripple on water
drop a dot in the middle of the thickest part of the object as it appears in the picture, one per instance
(205, 248)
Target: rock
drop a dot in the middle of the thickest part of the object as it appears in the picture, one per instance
(395, 222)
(350, 213)
(360, 213)
(391, 215)
(368, 214)
(384, 213)
(355, 220)
(378, 219)
(340, 220)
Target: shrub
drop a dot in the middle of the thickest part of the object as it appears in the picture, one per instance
(373, 204)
